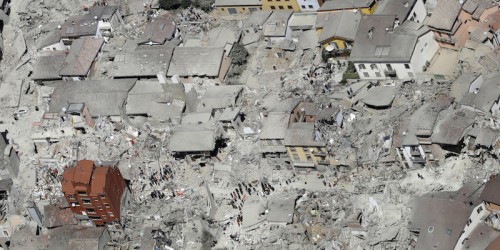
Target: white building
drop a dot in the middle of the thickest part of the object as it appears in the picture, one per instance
(309, 5)
(385, 50)
(412, 10)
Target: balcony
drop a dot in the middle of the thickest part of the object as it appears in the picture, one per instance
(390, 72)
(447, 40)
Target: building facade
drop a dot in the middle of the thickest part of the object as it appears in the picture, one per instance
(95, 193)
(280, 5)
(232, 7)
(309, 5)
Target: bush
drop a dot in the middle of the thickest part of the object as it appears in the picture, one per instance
(239, 54)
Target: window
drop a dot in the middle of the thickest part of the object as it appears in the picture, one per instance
(448, 232)
(290, 7)
(479, 209)
(82, 193)
(5, 233)
(305, 149)
(94, 217)
(425, 45)
(243, 8)
(373, 66)
(106, 205)
(222, 8)
(389, 67)
(311, 7)
(103, 196)
(86, 201)
(469, 222)
(100, 208)
(407, 66)
(273, 8)
(377, 74)
(90, 210)
(111, 214)
(281, 7)
(293, 149)
(366, 74)
(361, 66)
(303, 6)
(71, 197)
(309, 158)
(410, 74)
(232, 11)
(296, 157)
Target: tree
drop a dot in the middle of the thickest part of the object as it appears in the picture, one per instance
(239, 54)
(169, 4)
(185, 3)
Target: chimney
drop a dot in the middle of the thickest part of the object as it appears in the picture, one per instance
(396, 22)
(406, 4)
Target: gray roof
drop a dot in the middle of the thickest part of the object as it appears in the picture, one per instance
(103, 97)
(486, 137)
(257, 18)
(380, 96)
(218, 97)
(158, 30)
(196, 61)
(48, 67)
(192, 138)
(275, 126)
(276, 25)
(375, 43)
(280, 210)
(439, 220)
(81, 55)
(486, 96)
(461, 85)
(301, 134)
(49, 38)
(149, 97)
(308, 39)
(451, 128)
(272, 103)
(340, 24)
(302, 21)
(423, 120)
(400, 8)
(229, 114)
(345, 4)
(237, 3)
(445, 15)
(196, 118)
(144, 61)
(86, 25)
(477, 7)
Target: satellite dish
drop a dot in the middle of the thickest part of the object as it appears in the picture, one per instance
(330, 48)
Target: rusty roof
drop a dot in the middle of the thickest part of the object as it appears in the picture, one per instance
(98, 184)
(67, 182)
(81, 55)
(83, 171)
(490, 191)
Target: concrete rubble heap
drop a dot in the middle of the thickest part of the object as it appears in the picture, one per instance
(126, 126)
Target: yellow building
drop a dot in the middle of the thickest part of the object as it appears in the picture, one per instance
(303, 150)
(365, 7)
(237, 6)
(280, 5)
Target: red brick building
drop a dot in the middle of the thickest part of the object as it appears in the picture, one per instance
(94, 192)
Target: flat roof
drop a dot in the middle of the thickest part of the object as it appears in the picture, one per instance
(275, 126)
(302, 134)
(158, 30)
(450, 129)
(380, 96)
(276, 25)
(192, 138)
